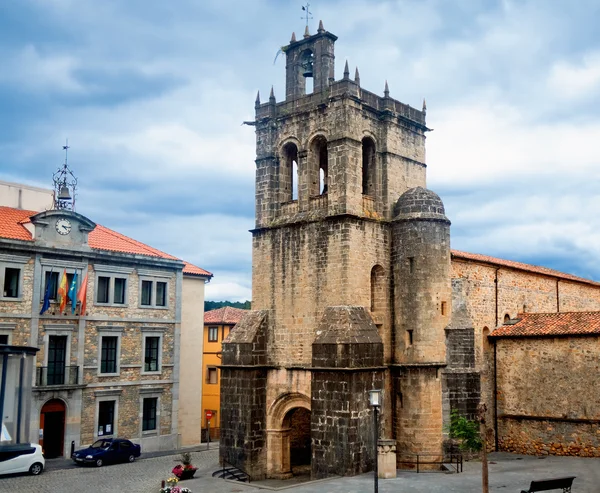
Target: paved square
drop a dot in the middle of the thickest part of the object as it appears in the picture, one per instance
(508, 473)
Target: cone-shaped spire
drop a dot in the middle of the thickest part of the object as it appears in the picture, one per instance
(293, 40)
(272, 96)
(306, 33)
(321, 28)
(357, 76)
(386, 91)
(424, 106)
(346, 71)
(257, 102)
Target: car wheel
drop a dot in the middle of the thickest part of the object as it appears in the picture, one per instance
(36, 468)
(131, 458)
(99, 463)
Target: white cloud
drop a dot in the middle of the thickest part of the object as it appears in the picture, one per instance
(576, 81)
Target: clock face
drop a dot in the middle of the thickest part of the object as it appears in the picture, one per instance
(63, 226)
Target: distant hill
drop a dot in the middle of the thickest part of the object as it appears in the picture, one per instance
(213, 305)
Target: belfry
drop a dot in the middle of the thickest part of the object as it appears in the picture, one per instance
(351, 283)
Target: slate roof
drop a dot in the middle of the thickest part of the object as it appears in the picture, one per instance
(101, 238)
(224, 315)
(520, 266)
(551, 324)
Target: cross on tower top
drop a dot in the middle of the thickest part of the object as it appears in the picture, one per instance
(308, 14)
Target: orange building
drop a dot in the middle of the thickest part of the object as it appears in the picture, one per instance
(217, 324)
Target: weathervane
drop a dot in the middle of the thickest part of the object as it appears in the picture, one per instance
(308, 15)
(65, 185)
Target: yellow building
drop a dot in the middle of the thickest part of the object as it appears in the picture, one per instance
(217, 324)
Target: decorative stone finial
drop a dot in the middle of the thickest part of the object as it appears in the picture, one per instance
(424, 106)
(293, 40)
(272, 96)
(357, 76)
(257, 102)
(321, 28)
(306, 33)
(386, 91)
(346, 71)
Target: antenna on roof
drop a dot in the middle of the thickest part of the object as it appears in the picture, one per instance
(308, 14)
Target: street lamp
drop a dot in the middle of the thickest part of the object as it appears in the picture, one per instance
(375, 401)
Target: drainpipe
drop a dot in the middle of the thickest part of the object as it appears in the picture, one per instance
(495, 399)
(496, 295)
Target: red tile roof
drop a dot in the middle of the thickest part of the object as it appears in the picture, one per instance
(520, 266)
(551, 324)
(225, 315)
(101, 238)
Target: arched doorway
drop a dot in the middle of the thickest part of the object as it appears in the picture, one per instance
(288, 439)
(298, 422)
(52, 424)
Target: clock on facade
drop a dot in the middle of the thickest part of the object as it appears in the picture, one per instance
(63, 226)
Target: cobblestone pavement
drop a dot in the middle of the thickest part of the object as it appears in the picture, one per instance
(508, 473)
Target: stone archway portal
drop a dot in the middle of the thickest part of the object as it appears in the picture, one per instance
(288, 439)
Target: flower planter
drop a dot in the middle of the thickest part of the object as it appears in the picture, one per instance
(188, 474)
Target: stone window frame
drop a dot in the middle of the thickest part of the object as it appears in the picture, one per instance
(150, 393)
(59, 266)
(154, 277)
(109, 331)
(112, 272)
(152, 332)
(8, 329)
(58, 330)
(12, 262)
(105, 396)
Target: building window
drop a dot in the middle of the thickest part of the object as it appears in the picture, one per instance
(153, 294)
(106, 418)
(3, 338)
(212, 376)
(108, 358)
(151, 353)
(409, 337)
(54, 277)
(149, 414)
(443, 308)
(213, 334)
(12, 282)
(110, 290)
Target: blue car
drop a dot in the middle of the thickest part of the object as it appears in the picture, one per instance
(107, 451)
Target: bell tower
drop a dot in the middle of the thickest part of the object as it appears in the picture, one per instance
(310, 57)
(331, 165)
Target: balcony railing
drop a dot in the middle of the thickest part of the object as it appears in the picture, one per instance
(56, 375)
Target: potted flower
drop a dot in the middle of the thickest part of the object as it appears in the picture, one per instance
(185, 470)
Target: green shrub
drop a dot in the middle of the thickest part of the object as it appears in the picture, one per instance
(465, 431)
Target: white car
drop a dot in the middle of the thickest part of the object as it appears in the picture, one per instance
(25, 457)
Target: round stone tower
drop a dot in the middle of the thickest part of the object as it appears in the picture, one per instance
(422, 300)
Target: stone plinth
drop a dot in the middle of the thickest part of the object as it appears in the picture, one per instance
(386, 459)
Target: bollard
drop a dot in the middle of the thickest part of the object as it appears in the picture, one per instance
(72, 447)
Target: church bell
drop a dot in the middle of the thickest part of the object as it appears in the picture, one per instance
(64, 194)
(307, 68)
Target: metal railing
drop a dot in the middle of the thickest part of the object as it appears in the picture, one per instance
(56, 375)
(424, 461)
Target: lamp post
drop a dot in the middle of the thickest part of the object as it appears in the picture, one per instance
(375, 401)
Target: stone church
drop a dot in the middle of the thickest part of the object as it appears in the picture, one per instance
(355, 287)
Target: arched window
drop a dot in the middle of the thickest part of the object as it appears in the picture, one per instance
(506, 318)
(486, 343)
(319, 166)
(306, 71)
(377, 288)
(368, 167)
(288, 178)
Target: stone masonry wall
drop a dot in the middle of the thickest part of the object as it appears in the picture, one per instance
(548, 399)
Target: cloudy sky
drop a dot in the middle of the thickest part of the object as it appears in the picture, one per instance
(152, 93)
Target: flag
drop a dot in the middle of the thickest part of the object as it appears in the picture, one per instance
(62, 291)
(82, 295)
(73, 293)
(46, 304)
